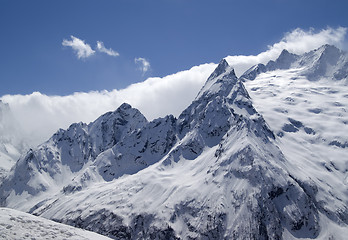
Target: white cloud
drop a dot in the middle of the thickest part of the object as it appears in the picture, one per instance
(144, 65)
(82, 49)
(110, 52)
(40, 115)
(297, 41)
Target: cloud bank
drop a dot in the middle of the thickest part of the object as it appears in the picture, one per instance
(39, 115)
(82, 49)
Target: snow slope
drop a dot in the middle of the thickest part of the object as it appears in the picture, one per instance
(306, 104)
(18, 225)
(311, 122)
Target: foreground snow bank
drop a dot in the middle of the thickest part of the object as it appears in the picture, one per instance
(18, 225)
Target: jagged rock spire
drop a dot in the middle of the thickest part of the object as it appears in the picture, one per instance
(222, 76)
(220, 69)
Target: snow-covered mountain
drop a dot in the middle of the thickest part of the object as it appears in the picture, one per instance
(325, 62)
(218, 171)
(68, 152)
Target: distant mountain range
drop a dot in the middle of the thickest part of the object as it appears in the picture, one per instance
(324, 62)
(263, 156)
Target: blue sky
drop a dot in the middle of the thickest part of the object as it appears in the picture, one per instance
(172, 35)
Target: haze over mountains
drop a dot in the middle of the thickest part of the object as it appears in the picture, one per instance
(263, 156)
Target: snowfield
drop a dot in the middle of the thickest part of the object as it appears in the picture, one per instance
(18, 225)
(311, 122)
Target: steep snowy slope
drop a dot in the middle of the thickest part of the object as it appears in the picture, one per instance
(311, 122)
(215, 172)
(18, 225)
(310, 119)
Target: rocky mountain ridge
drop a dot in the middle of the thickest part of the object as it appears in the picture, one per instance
(325, 62)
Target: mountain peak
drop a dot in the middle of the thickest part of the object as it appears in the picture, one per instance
(325, 51)
(123, 113)
(331, 51)
(329, 47)
(285, 59)
(220, 69)
(221, 79)
(284, 52)
(326, 61)
(125, 106)
(253, 71)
